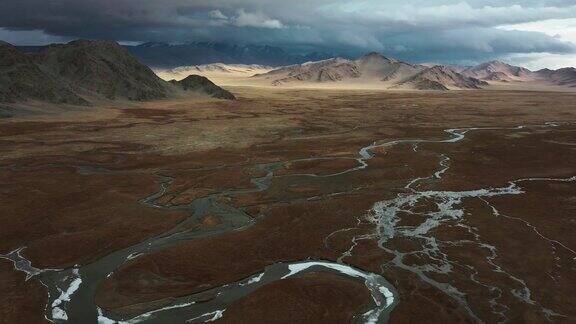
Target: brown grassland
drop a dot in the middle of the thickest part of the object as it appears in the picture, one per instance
(71, 186)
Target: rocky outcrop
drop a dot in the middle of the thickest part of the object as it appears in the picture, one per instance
(203, 85)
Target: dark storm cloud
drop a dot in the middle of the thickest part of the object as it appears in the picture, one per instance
(439, 29)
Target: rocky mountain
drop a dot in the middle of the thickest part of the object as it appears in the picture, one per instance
(499, 71)
(161, 55)
(562, 77)
(204, 85)
(374, 69)
(335, 69)
(81, 72)
(103, 68)
(442, 78)
(22, 79)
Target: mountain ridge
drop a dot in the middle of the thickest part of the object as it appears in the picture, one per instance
(389, 73)
(83, 72)
(498, 71)
(373, 68)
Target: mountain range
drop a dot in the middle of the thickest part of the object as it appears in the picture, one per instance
(502, 72)
(373, 69)
(81, 72)
(277, 66)
(383, 72)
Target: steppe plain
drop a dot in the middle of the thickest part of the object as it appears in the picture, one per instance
(74, 187)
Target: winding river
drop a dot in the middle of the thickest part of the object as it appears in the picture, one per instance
(71, 291)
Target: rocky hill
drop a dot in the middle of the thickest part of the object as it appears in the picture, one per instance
(203, 85)
(82, 72)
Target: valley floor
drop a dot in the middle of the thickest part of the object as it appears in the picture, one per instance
(464, 202)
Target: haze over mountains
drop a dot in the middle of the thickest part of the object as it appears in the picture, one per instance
(162, 55)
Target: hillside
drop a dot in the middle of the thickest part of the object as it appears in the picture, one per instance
(442, 78)
(80, 73)
(331, 70)
(22, 79)
(562, 77)
(204, 85)
(103, 68)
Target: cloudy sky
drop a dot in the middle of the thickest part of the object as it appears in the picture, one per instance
(533, 33)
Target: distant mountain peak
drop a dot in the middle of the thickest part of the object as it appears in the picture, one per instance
(153, 44)
(161, 55)
(377, 56)
(496, 62)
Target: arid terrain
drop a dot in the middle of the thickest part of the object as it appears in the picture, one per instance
(293, 206)
(375, 71)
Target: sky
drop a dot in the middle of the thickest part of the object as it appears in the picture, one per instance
(532, 33)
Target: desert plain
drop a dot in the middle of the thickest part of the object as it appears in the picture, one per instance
(464, 201)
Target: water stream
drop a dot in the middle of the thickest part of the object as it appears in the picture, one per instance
(71, 291)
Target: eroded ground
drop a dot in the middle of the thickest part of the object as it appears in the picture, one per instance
(475, 229)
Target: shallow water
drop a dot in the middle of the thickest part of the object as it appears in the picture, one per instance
(71, 291)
